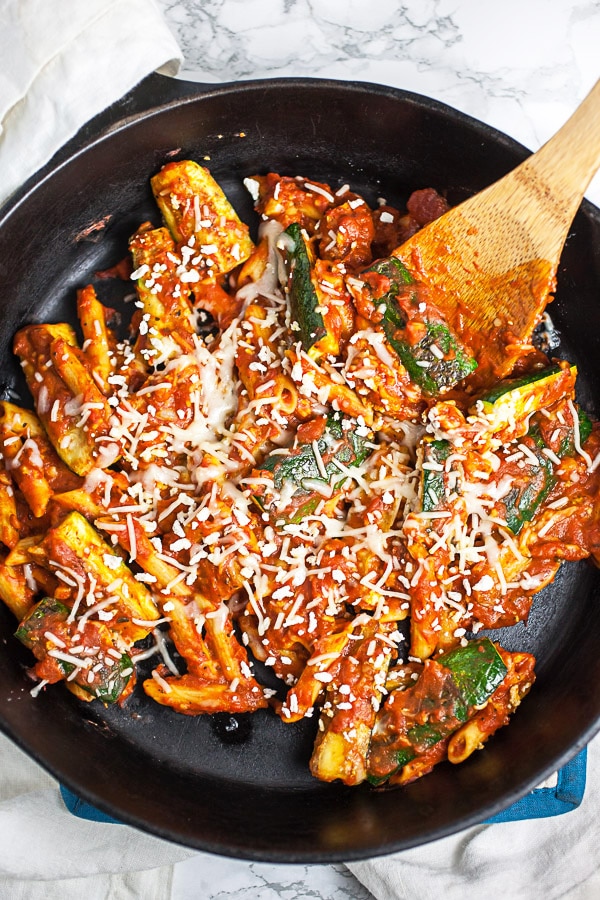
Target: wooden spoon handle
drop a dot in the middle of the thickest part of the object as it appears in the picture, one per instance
(559, 173)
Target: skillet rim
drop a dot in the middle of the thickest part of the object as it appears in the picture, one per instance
(139, 103)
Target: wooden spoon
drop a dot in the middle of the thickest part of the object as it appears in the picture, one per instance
(495, 256)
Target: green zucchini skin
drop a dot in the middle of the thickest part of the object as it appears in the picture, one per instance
(508, 385)
(567, 447)
(304, 302)
(520, 400)
(477, 670)
(437, 361)
(338, 442)
(400, 759)
(433, 486)
(447, 694)
(109, 681)
(40, 619)
(49, 615)
(508, 406)
(524, 499)
(532, 485)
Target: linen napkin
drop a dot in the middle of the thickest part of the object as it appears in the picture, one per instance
(47, 853)
(64, 61)
(535, 859)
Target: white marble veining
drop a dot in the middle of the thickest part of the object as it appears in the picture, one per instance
(520, 65)
(211, 878)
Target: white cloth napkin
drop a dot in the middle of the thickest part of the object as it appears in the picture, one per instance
(48, 854)
(64, 61)
(536, 859)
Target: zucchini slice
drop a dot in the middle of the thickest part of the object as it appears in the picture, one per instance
(534, 483)
(304, 302)
(432, 355)
(433, 482)
(477, 670)
(301, 472)
(567, 446)
(110, 681)
(46, 629)
(525, 497)
(513, 399)
(446, 695)
(41, 618)
(337, 443)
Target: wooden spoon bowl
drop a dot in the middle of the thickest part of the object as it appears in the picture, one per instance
(493, 259)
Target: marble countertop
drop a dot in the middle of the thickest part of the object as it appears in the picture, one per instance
(519, 66)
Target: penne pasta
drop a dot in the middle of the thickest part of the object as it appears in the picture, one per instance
(284, 474)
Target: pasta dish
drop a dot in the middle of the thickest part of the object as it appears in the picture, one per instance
(287, 469)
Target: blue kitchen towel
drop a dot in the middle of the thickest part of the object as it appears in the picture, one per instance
(83, 809)
(565, 796)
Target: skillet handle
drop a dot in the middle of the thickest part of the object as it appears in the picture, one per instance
(152, 92)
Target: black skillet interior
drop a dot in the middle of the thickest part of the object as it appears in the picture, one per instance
(247, 792)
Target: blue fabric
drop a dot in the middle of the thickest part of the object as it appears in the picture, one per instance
(543, 802)
(84, 810)
(551, 801)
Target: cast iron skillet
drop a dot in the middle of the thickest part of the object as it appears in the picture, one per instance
(246, 791)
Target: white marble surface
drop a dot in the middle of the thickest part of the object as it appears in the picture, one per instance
(206, 877)
(520, 65)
